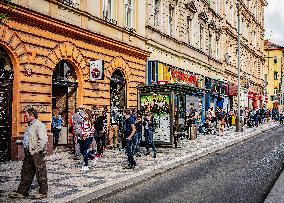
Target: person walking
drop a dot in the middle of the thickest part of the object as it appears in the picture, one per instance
(99, 127)
(129, 131)
(113, 131)
(77, 120)
(138, 135)
(86, 139)
(56, 126)
(35, 145)
(148, 134)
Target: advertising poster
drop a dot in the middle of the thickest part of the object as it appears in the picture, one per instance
(159, 106)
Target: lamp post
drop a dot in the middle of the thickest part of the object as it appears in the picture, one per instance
(239, 126)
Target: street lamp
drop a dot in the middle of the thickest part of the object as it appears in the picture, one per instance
(239, 126)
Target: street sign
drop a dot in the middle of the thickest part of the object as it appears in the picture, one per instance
(96, 70)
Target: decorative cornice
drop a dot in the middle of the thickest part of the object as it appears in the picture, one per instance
(203, 16)
(44, 22)
(191, 7)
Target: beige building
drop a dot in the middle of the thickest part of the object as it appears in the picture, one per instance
(252, 48)
(201, 37)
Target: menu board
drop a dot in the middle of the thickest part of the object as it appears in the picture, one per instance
(159, 106)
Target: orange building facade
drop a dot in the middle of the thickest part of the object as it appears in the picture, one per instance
(37, 50)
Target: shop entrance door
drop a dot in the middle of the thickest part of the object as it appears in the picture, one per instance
(64, 97)
(118, 91)
(6, 89)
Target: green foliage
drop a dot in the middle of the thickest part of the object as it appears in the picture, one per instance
(4, 17)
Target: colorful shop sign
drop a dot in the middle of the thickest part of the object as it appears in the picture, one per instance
(174, 75)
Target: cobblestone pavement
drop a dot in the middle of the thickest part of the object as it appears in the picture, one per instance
(67, 182)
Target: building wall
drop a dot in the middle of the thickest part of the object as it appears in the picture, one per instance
(252, 33)
(270, 68)
(203, 33)
(182, 47)
(37, 42)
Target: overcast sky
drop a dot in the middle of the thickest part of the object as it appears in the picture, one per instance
(274, 21)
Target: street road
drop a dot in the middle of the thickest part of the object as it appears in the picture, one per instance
(243, 173)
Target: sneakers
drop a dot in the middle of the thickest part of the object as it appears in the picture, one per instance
(147, 153)
(16, 195)
(40, 196)
(94, 161)
(85, 168)
(155, 155)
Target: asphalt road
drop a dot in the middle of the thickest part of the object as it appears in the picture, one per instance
(242, 173)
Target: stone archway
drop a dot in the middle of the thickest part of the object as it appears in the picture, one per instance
(69, 52)
(119, 64)
(12, 44)
(118, 92)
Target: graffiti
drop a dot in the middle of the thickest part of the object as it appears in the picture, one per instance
(39, 107)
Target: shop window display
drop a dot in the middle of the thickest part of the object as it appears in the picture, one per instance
(159, 106)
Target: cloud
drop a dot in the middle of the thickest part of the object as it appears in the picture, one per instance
(274, 21)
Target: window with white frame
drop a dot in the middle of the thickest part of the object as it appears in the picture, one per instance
(156, 12)
(107, 8)
(217, 48)
(201, 37)
(254, 38)
(128, 13)
(210, 44)
(171, 19)
(189, 28)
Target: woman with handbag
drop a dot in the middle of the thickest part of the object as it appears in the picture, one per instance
(86, 139)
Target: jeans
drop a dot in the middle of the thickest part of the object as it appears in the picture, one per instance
(149, 139)
(136, 142)
(84, 146)
(129, 152)
(56, 134)
(100, 137)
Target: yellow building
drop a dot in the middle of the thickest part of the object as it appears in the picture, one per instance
(273, 74)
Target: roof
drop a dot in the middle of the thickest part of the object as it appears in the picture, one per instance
(269, 44)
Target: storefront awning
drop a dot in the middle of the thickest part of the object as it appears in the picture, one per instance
(171, 87)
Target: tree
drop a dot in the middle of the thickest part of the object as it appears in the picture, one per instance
(4, 17)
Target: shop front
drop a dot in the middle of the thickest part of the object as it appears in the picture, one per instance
(171, 105)
(180, 90)
(64, 97)
(254, 100)
(217, 96)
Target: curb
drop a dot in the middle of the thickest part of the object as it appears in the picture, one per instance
(277, 191)
(125, 184)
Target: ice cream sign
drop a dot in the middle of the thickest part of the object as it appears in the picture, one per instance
(97, 70)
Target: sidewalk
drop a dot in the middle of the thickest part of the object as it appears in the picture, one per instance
(276, 195)
(68, 183)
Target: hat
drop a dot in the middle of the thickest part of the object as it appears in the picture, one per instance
(81, 107)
